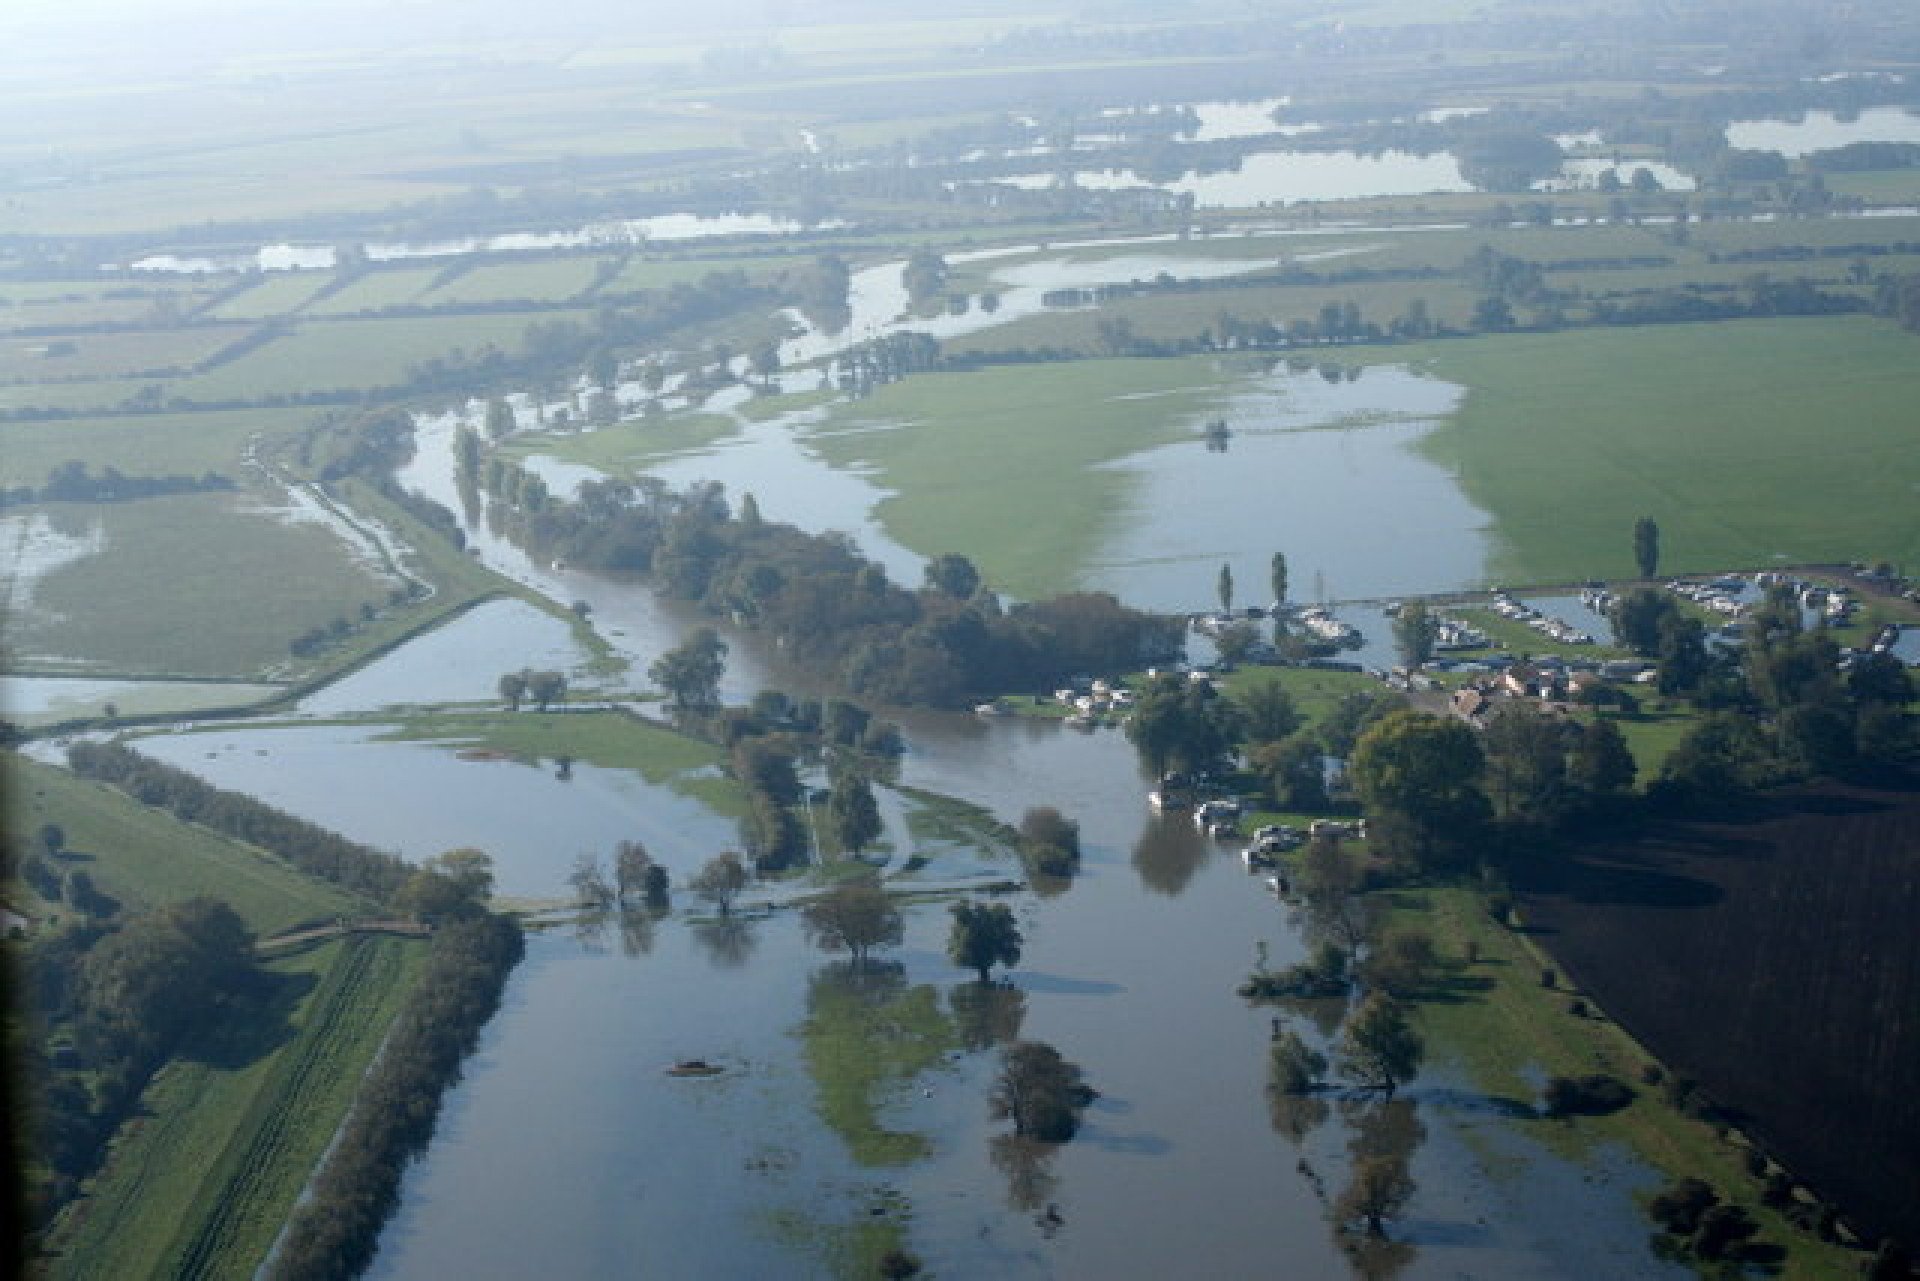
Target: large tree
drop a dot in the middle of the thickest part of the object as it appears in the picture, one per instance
(1224, 587)
(1601, 766)
(720, 881)
(1040, 1092)
(852, 813)
(953, 574)
(1277, 578)
(513, 688)
(984, 935)
(854, 917)
(631, 864)
(546, 688)
(1267, 713)
(690, 673)
(1379, 1050)
(1414, 632)
(1181, 723)
(1526, 752)
(1417, 775)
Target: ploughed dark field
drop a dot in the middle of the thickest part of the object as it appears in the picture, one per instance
(1773, 955)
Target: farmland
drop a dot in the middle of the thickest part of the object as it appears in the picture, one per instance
(1712, 941)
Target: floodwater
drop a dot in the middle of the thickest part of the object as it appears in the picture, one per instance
(1584, 175)
(460, 661)
(421, 799)
(41, 700)
(1322, 471)
(1824, 131)
(1287, 177)
(567, 1152)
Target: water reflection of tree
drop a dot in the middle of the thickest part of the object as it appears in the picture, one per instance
(1168, 854)
(729, 941)
(1384, 1136)
(1295, 1116)
(637, 931)
(1031, 1182)
(986, 1014)
(590, 931)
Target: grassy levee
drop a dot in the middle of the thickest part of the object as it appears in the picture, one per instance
(1751, 443)
(1496, 1021)
(145, 858)
(233, 1128)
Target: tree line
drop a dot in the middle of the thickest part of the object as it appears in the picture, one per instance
(71, 482)
(314, 850)
(831, 610)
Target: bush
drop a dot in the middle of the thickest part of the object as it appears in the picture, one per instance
(1594, 1095)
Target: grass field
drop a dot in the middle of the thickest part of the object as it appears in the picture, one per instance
(610, 740)
(131, 609)
(276, 295)
(863, 1042)
(345, 354)
(139, 444)
(231, 1130)
(145, 858)
(1749, 442)
(544, 280)
(1000, 463)
(381, 287)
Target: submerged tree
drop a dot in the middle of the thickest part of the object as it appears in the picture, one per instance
(855, 918)
(984, 935)
(1040, 1092)
(720, 881)
(1380, 1049)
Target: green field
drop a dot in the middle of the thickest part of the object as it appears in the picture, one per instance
(610, 740)
(544, 280)
(1751, 443)
(345, 354)
(381, 287)
(146, 858)
(143, 605)
(999, 464)
(275, 295)
(139, 444)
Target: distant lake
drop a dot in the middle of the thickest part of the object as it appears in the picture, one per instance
(1824, 131)
(1285, 178)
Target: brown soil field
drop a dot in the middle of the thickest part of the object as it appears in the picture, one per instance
(1774, 957)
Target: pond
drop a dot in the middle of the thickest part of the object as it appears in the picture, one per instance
(1824, 131)
(1286, 177)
